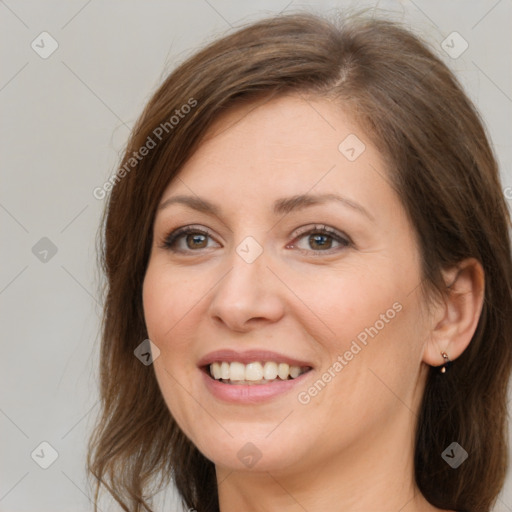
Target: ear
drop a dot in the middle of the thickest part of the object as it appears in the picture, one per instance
(454, 321)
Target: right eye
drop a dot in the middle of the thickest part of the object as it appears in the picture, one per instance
(195, 239)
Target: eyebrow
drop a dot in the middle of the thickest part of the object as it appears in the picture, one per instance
(281, 206)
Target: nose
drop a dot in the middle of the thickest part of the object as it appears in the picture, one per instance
(249, 295)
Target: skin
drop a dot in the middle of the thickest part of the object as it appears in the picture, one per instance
(351, 446)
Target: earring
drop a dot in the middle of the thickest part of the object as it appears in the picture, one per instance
(446, 364)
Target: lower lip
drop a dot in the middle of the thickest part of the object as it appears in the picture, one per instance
(250, 393)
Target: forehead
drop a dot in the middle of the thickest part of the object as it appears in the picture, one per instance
(290, 127)
(289, 145)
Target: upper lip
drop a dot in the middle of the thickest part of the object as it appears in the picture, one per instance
(249, 356)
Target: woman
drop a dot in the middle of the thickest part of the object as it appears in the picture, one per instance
(309, 226)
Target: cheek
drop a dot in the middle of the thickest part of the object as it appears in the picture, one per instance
(370, 319)
(167, 307)
(167, 299)
(347, 302)
(155, 298)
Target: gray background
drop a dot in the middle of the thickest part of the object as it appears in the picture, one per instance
(65, 120)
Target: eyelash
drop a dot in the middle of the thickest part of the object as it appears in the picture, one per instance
(171, 239)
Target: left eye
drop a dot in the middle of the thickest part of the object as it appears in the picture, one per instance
(319, 239)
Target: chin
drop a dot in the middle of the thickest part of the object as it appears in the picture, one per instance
(254, 453)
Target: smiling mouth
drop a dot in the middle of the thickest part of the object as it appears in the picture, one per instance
(254, 373)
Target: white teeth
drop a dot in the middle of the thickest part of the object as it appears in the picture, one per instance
(283, 370)
(237, 371)
(294, 372)
(255, 372)
(224, 370)
(215, 371)
(270, 371)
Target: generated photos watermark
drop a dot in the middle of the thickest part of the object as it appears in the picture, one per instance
(151, 142)
(304, 397)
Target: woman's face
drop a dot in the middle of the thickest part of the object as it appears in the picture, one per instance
(287, 278)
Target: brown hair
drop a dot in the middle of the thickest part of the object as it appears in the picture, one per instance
(440, 162)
